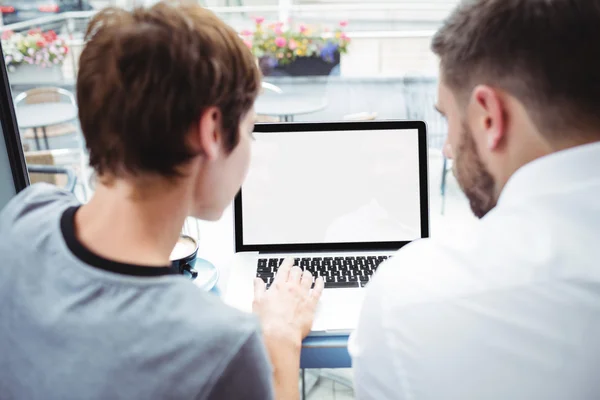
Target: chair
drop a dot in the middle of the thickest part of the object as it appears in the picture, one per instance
(420, 97)
(55, 167)
(53, 171)
(56, 95)
(47, 95)
(271, 88)
(274, 90)
(41, 167)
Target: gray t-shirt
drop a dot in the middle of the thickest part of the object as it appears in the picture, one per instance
(76, 326)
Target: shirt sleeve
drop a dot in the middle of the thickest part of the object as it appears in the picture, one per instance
(375, 373)
(248, 375)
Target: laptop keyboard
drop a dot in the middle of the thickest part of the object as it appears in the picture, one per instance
(337, 272)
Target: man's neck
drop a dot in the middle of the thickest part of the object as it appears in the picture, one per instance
(123, 225)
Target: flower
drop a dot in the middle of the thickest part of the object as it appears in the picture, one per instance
(259, 20)
(328, 51)
(343, 23)
(279, 44)
(280, 41)
(246, 32)
(34, 47)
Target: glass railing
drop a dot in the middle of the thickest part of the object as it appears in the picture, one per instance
(386, 73)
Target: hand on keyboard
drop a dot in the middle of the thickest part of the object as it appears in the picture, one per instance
(286, 312)
(288, 307)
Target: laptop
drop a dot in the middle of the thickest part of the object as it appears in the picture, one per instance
(340, 198)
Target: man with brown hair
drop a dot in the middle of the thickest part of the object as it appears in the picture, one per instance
(509, 308)
(90, 308)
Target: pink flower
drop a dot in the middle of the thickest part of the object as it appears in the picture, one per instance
(277, 29)
(248, 43)
(259, 20)
(280, 41)
(303, 28)
(343, 36)
(247, 32)
(344, 23)
(293, 45)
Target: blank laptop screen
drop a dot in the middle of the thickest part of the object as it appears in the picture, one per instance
(333, 187)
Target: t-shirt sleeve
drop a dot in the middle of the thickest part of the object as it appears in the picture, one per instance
(248, 375)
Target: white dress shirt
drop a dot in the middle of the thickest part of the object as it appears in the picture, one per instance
(508, 310)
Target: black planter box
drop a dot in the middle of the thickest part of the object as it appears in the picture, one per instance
(301, 66)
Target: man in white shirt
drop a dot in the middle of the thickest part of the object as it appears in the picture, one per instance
(511, 308)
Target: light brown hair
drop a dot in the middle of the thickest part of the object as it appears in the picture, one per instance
(544, 52)
(146, 76)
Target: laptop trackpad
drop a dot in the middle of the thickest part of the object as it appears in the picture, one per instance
(338, 310)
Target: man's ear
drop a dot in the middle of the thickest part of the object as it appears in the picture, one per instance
(488, 115)
(207, 136)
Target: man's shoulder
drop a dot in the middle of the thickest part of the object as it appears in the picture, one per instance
(454, 264)
(422, 271)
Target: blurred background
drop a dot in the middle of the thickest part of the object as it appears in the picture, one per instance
(322, 60)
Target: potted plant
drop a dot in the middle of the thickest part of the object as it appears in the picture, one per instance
(34, 57)
(301, 51)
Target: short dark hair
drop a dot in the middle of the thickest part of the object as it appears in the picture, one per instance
(543, 52)
(147, 75)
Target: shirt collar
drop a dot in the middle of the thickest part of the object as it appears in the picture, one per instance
(556, 172)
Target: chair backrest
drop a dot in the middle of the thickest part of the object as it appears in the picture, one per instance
(45, 95)
(420, 99)
(269, 87)
(41, 158)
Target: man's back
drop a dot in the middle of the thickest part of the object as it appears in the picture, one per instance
(510, 310)
(74, 329)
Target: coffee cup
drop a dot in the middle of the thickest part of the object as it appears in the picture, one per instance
(183, 254)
